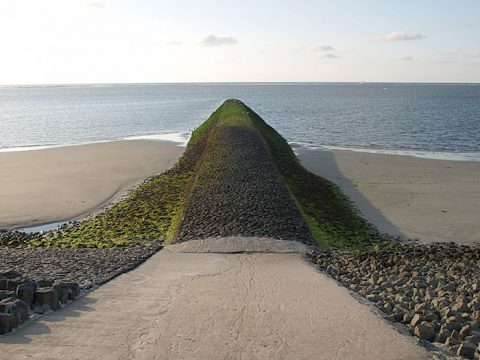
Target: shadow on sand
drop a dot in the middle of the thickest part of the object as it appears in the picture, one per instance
(39, 326)
(323, 163)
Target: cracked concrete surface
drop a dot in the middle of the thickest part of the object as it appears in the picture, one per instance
(214, 306)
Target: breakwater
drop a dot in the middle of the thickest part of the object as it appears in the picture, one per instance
(239, 191)
(237, 177)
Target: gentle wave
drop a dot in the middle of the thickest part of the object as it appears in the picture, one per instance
(433, 155)
(34, 147)
(440, 120)
(180, 138)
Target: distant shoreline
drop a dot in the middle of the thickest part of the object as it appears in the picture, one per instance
(237, 83)
(181, 139)
(423, 154)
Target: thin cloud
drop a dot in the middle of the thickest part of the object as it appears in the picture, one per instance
(175, 43)
(401, 36)
(446, 61)
(96, 4)
(405, 58)
(322, 48)
(329, 56)
(323, 52)
(213, 40)
(464, 24)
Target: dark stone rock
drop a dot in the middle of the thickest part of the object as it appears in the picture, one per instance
(21, 311)
(417, 318)
(473, 339)
(25, 292)
(45, 297)
(8, 322)
(10, 274)
(465, 331)
(454, 339)
(13, 283)
(7, 306)
(467, 349)
(5, 294)
(373, 297)
(73, 289)
(454, 323)
(44, 283)
(3, 284)
(461, 306)
(62, 293)
(442, 336)
(425, 332)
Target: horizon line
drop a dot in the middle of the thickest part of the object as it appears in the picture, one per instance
(236, 83)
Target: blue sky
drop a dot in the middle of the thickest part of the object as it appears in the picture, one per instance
(85, 41)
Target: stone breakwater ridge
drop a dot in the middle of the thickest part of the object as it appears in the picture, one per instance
(239, 177)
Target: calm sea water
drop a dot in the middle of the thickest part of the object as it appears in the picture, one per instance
(424, 119)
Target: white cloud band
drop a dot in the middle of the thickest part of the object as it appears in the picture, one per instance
(401, 36)
(213, 40)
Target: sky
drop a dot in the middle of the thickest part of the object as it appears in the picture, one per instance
(137, 41)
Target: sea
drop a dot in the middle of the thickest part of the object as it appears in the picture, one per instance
(440, 121)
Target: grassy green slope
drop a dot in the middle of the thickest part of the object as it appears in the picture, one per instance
(155, 208)
(329, 214)
(151, 211)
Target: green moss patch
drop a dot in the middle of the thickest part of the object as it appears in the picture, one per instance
(331, 218)
(151, 211)
(155, 209)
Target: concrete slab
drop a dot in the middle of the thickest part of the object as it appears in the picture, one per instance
(238, 244)
(214, 306)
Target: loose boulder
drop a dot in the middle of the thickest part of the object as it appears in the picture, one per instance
(45, 299)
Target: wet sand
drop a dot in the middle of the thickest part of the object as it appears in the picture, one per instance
(42, 186)
(429, 200)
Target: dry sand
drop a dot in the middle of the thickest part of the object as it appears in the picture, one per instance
(214, 306)
(42, 186)
(429, 200)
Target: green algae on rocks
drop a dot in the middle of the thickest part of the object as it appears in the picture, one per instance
(156, 208)
(150, 212)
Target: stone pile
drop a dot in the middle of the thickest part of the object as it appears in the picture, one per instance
(239, 192)
(20, 296)
(36, 280)
(16, 238)
(432, 289)
(89, 267)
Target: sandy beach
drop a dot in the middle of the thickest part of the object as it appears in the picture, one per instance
(56, 184)
(429, 200)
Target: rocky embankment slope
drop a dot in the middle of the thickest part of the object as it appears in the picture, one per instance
(34, 280)
(239, 192)
(434, 290)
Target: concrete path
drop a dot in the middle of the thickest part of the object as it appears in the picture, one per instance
(214, 306)
(238, 244)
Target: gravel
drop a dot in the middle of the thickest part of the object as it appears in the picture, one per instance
(88, 267)
(240, 192)
(434, 290)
